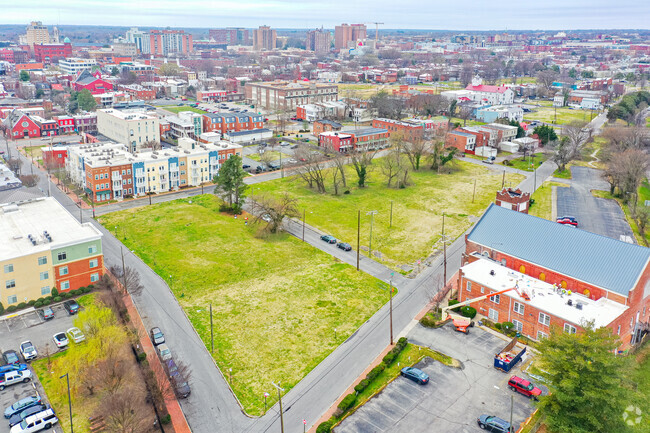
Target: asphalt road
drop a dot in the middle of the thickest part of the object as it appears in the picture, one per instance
(596, 215)
(453, 399)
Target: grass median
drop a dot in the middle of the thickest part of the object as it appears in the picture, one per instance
(276, 301)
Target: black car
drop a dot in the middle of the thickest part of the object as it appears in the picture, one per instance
(415, 374)
(328, 238)
(494, 424)
(71, 307)
(245, 166)
(11, 357)
(19, 417)
(344, 246)
(181, 387)
(157, 336)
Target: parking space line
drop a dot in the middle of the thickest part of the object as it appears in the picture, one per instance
(404, 395)
(369, 421)
(394, 404)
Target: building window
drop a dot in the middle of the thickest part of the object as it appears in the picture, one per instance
(45, 290)
(10, 284)
(519, 327)
(469, 286)
(45, 275)
(42, 260)
(522, 269)
(65, 285)
(544, 319)
(94, 277)
(518, 308)
(63, 270)
(62, 255)
(493, 315)
(569, 329)
(92, 249)
(12, 299)
(9, 268)
(482, 289)
(541, 335)
(496, 299)
(618, 330)
(93, 263)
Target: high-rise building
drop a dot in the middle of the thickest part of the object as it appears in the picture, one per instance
(318, 41)
(165, 42)
(230, 36)
(346, 33)
(139, 38)
(37, 34)
(264, 38)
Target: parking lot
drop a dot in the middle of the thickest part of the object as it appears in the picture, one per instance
(30, 326)
(454, 398)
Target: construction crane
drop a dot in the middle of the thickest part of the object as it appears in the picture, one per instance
(462, 323)
(376, 31)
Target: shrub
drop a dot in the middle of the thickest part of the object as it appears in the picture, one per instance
(142, 356)
(497, 326)
(389, 358)
(402, 342)
(362, 385)
(347, 402)
(11, 309)
(38, 304)
(395, 351)
(372, 374)
(507, 326)
(74, 292)
(325, 427)
(66, 295)
(166, 419)
(54, 292)
(46, 301)
(32, 302)
(90, 287)
(57, 299)
(428, 321)
(453, 302)
(22, 305)
(85, 289)
(2, 308)
(468, 311)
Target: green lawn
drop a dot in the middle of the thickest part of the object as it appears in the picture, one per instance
(177, 109)
(276, 301)
(470, 122)
(275, 155)
(566, 174)
(640, 377)
(543, 204)
(564, 115)
(525, 164)
(417, 209)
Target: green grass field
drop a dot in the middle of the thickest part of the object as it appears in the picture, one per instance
(275, 155)
(543, 206)
(177, 109)
(417, 209)
(564, 115)
(525, 164)
(640, 376)
(276, 301)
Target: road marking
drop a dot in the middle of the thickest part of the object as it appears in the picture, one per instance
(369, 421)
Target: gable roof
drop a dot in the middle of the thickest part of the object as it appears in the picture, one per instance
(589, 257)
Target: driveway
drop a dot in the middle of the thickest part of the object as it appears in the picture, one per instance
(596, 215)
(453, 399)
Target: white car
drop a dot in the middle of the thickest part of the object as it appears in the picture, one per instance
(75, 334)
(37, 422)
(164, 352)
(28, 350)
(60, 340)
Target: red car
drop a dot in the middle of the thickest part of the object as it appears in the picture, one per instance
(568, 220)
(522, 386)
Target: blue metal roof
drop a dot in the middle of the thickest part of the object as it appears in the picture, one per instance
(589, 257)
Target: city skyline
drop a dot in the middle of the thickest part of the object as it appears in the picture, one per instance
(408, 14)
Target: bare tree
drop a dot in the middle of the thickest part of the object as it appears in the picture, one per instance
(266, 158)
(620, 139)
(625, 171)
(338, 171)
(465, 113)
(273, 210)
(362, 162)
(545, 79)
(416, 150)
(441, 156)
(466, 74)
(395, 169)
(125, 412)
(129, 278)
(313, 170)
(153, 145)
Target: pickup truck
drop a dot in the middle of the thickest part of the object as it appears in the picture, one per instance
(14, 377)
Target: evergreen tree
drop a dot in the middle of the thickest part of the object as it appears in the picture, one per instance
(230, 183)
(86, 101)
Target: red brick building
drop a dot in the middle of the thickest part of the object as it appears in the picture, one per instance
(461, 140)
(565, 277)
(356, 139)
(46, 52)
(410, 130)
(94, 83)
(513, 199)
(232, 122)
(48, 127)
(55, 156)
(139, 92)
(211, 95)
(324, 125)
(65, 123)
(21, 125)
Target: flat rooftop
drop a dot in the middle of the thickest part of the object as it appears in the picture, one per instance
(35, 217)
(543, 296)
(128, 115)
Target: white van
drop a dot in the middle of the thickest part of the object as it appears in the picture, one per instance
(37, 422)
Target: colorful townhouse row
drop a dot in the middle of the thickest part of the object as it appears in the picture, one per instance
(22, 125)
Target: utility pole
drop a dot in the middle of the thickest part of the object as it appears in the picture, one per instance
(503, 181)
(67, 378)
(474, 193)
(358, 237)
(391, 214)
(372, 214)
(512, 403)
(280, 400)
(211, 331)
(390, 290)
(444, 249)
(303, 224)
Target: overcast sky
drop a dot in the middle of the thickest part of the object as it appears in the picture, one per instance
(395, 14)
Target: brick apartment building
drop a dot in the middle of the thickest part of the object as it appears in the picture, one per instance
(513, 199)
(355, 139)
(347, 33)
(230, 36)
(287, 95)
(164, 42)
(563, 277)
(139, 92)
(264, 38)
(462, 141)
(324, 125)
(318, 41)
(46, 52)
(229, 122)
(410, 130)
(211, 95)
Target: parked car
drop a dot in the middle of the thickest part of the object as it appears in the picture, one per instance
(19, 417)
(11, 357)
(525, 387)
(37, 422)
(75, 334)
(46, 313)
(487, 161)
(285, 143)
(178, 381)
(569, 220)
(22, 404)
(71, 306)
(344, 246)
(415, 374)
(13, 367)
(245, 166)
(291, 161)
(14, 377)
(157, 336)
(328, 238)
(164, 352)
(60, 340)
(494, 424)
(266, 217)
(28, 350)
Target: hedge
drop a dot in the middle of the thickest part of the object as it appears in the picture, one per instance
(388, 359)
(2, 308)
(347, 402)
(372, 374)
(362, 385)
(453, 302)
(21, 305)
(57, 299)
(11, 309)
(468, 311)
(38, 304)
(325, 427)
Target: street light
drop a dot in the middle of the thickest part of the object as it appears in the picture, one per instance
(372, 214)
(280, 401)
(67, 378)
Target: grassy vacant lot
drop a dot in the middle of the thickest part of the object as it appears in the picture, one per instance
(275, 155)
(276, 301)
(524, 164)
(564, 115)
(177, 109)
(543, 205)
(417, 209)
